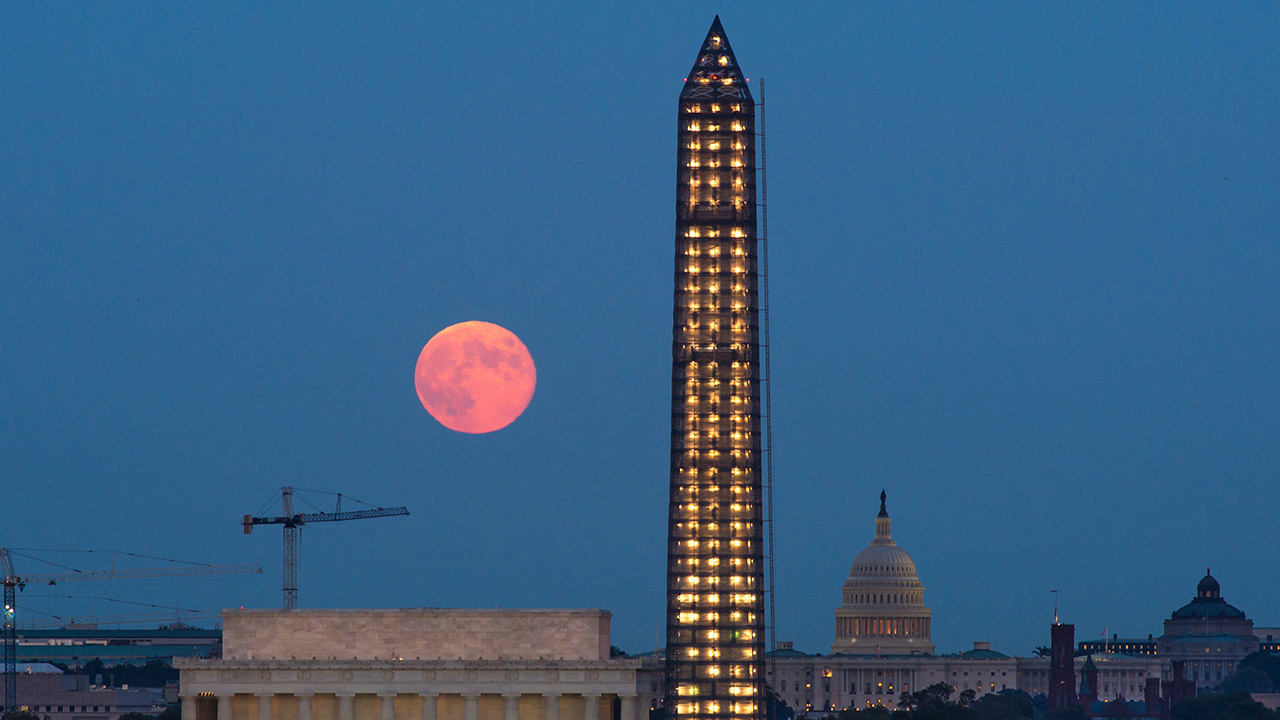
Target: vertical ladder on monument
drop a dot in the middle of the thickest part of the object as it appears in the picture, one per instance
(767, 375)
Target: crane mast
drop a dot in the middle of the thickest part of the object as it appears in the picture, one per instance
(293, 522)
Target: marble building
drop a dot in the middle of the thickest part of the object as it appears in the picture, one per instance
(416, 664)
(883, 647)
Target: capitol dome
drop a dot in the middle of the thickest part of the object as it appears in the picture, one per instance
(882, 609)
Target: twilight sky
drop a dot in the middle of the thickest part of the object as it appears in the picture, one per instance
(1026, 277)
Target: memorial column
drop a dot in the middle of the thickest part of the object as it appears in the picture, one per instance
(304, 706)
(428, 706)
(346, 706)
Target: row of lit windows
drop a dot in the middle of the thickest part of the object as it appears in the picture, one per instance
(715, 325)
(695, 160)
(738, 528)
(711, 201)
(706, 307)
(712, 232)
(697, 311)
(704, 537)
(736, 455)
(734, 399)
(713, 126)
(690, 581)
(738, 546)
(707, 429)
(713, 107)
(709, 59)
(736, 617)
(736, 437)
(709, 79)
(714, 651)
(714, 670)
(737, 251)
(713, 145)
(711, 472)
(694, 268)
(732, 507)
(711, 293)
(738, 708)
(714, 495)
(738, 377)
(692, 286)
(693, 689)
(735, 562)
(684, 536)
(713, 382)
(742, 383)
(714, 399)
(716, 598)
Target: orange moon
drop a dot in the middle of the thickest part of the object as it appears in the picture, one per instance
(475, 377)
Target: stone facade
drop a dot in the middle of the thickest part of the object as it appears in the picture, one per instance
(425, 633)
(418, 664)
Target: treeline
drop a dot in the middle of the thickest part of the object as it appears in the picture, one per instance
(154, 673)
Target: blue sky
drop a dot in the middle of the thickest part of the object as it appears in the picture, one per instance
(1025, 275)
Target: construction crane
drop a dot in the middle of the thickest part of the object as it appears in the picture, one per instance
(293, 523)
(14, 582)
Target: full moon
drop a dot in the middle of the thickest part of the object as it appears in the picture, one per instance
(475, 377)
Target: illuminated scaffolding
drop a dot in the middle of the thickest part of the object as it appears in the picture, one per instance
(715, 593)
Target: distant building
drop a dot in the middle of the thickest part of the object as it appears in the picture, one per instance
(1117, 644)
(1209, 634)
(416, 664)
(882, 609)
(883, 648)
(46, 691)
(78, 645)
(1062, 669)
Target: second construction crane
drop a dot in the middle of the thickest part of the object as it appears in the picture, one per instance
(293, 523)
(13, 582)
